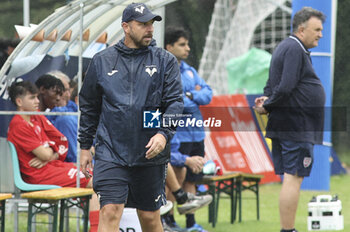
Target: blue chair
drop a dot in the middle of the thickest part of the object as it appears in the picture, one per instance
(33, 208)
(20, 184)
(51, 205)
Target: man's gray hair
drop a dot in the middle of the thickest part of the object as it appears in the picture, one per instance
(304, 15)
(60, 75)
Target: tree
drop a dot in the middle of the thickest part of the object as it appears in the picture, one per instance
(11, 13)
(341, 93)
(194, 16)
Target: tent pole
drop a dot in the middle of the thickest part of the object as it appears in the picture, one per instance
(80, 74)
(26, 13)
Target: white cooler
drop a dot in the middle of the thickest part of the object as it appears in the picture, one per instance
(325, 213)
(130, 221)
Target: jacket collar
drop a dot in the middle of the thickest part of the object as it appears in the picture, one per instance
(300, 43)
(184, 66)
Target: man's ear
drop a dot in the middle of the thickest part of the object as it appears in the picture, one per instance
(301, 28)
(125, 27)
(168, 47)
(41, 89)
(19, 102)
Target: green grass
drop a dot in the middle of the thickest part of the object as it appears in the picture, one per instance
(22, 225)
(269, 216)
(344, 157)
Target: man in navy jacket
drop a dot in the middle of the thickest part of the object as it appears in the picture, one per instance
(123, 84)
(294, 98)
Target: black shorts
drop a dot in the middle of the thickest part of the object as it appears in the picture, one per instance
(295, 158)
(137, 187)
(192, 149)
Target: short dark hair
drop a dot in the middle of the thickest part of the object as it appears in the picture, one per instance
(72, 84)
(50, 82)
(304, 15)
(173, 34)
(5, 43)
(19, 89)
(74, 93)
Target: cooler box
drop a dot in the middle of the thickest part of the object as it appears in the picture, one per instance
(129, 221)
(325, 213)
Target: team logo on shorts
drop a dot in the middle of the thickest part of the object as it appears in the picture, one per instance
(307, 162)
(151, 118)
(157, 199)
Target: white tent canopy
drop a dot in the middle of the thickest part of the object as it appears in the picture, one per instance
(60, 32)
(57, 35)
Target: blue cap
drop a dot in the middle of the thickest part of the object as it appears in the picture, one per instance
(139, 12)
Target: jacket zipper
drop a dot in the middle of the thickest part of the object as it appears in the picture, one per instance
(131, 99)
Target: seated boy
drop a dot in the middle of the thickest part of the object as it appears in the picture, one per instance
(41, 148)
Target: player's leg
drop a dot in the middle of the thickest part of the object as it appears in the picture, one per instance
(189, 185)
(150, 221)
(111, 185)
(175, 193)
(296, 159)
(289, 198)
(180, 173)
(110, 216)
(147, 195)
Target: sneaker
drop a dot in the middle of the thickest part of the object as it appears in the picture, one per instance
(166, 228)
(196, 228)
(172, 227)
(193, 203)
(166, 208)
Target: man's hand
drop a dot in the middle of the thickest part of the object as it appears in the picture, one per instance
(195, 163)
(37, 163)
(259, 102)
(156, 145)
(197, 87)
(86, 162)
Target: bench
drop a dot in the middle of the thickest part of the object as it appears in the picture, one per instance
(47, 198)
(3, 198)
(55, 197)
(233, 184)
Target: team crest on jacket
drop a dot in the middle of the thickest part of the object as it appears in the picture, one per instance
(151, 69)
(190, 73)
(307, 162)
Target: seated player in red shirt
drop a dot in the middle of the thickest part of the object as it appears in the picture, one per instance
(41, 148)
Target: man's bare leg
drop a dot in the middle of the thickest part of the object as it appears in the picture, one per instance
(172, 185)
(150, 221)
(190, 187)
(289, 198)
(180, 173)
(110, 216)
(171, 180)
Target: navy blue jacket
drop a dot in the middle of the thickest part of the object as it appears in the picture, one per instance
(296, 95)
(119, 85)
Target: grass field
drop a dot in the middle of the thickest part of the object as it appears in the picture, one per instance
(269, 217)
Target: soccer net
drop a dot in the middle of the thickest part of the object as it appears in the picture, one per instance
(236, 26)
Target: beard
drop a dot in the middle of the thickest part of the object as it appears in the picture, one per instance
(140, 42)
